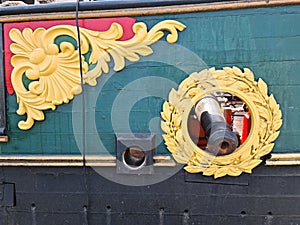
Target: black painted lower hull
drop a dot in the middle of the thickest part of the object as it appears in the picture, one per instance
(76, 195)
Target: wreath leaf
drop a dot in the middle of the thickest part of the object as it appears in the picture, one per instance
(277, 124)
(262, 87)
(273, 136)
(249, 74)
(266, 149)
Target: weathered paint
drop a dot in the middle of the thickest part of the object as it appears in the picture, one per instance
(244, 38)
(75, 195)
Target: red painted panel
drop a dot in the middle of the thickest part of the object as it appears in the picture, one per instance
(246, 127)
(100, 24)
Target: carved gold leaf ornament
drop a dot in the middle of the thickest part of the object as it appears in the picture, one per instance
(265, 121)
(54, 71)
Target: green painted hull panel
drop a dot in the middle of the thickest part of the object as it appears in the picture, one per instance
(266, 40)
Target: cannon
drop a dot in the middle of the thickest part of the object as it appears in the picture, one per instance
(221, 140)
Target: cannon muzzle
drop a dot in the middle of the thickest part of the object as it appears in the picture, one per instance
(220, 138)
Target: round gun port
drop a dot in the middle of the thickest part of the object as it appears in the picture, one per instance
(134, 157)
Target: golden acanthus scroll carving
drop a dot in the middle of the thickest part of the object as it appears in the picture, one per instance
(265, 121)
(54, 71)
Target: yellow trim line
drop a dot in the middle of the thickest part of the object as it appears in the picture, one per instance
(284, 159)
(74, 160)
(277, 159)
(3, 138)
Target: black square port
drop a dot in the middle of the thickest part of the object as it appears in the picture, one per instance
(135, 153)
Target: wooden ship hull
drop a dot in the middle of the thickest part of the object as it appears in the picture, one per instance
(98, 121)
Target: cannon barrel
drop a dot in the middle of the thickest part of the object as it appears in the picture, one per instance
(220, 138)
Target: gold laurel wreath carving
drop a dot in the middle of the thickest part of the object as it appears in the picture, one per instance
(54, 71)
(265, 121)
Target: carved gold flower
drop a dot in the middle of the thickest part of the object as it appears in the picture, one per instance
(54, 71)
